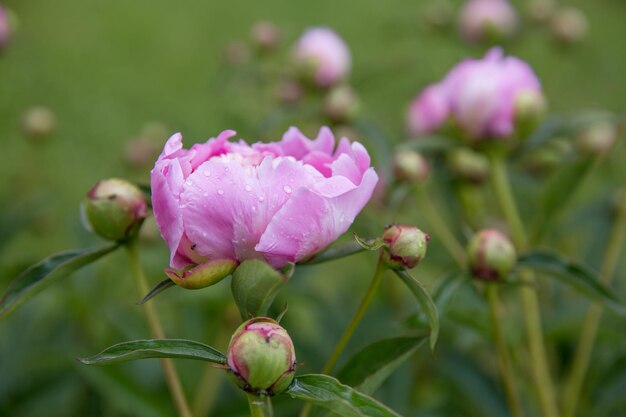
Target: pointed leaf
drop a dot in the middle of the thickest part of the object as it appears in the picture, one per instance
(425, 302)
(156, 348)
(45, 272)
(328, 392)
(369, 244)
(575, 275)
(255, 284)
(157, 289)
(369, 368)
(335, 252)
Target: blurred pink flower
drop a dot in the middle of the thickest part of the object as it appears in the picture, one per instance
(428, 110)
(325, 54)
(5, 27)
(281, 201)
(481, 19)
(481, 96)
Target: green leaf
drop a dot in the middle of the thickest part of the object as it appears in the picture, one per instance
(41, 274)
(335, 252)
(573, 274)
(255, 284)
(425, 302)
(369, 244)
(328, 392)
(369, 368)
(157, 289)
(156, 348)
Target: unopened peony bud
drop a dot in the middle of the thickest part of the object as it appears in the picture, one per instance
(289, 92)
(569, 25)
(491, 255)
(428, 110)
(469, 165)
(410, 166)
(261, 357)
(541, 10)
(38, 122)
(114, 209)
(597, 139)
(439, 13)
(236, 53)
(341, 104)
(6, 26)
(322, 56)
(405, 246)
(530, 107)
(265, 35)
(484, 20)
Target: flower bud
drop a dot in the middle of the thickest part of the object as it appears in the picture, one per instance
(469, 165)
(341, 104)
(530, 107)
(405, 246)
(38, 122)
(261, 357)
(438, 13)
(597, 139)
(491, 255)
(265, 35)
(289, 92)
(236, 53)
(428, 110)
(322, 56)
(569, 25)
(114, 209)
(203, 275)
(6, 26)
(484, 20)
(541, 10)
(410, 166)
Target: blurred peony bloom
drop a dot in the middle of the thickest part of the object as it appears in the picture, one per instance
(483, 20)
(281, 201)
(5, 27)
(323, 55)
(428, 110)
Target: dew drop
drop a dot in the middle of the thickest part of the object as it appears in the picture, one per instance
(287, 189)
(248, 188)
(205, 194)
(204, 234)
(220, 192)
(189, 182)
(206, 173)
(261, 198)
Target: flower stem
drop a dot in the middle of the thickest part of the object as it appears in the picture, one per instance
(576, 376)
(530, 302)
(260, 406)
(156, 331)
(349, 330)
(504, 360)
(441, 230)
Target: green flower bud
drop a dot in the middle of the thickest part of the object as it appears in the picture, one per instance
(491, 255)
(265, 35)
(410, 166)
(597, 139)
(261, 357)
(469, 165)
(203, 275)
(569, 25)
(530, 107)
(341, 104)
(405, 246)
(114, 209)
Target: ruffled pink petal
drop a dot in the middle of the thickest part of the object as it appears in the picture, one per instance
(314, 218)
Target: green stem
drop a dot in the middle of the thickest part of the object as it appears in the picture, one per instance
(440, 227)
(156, 331)
(530, 302)
(574, 381)
(504, 360)
(259, 406)
(349, 330)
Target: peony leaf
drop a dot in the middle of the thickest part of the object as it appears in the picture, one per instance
(156, 290)
(425, 302)
(369, 244)
(156, 348)
(328, 392)
(255, 284)
(38, 276)
(575, 275)
(369, 368)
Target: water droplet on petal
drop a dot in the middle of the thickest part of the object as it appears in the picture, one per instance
(206, 173)
(287, 189)
(205, 194)
(261, 198)
(220, 192)
(248, 188)
(189, 182)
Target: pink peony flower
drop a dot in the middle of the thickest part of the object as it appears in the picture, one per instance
(481, 19)
(428, 110)
(323, 52)
(282, 201)
(5, 27)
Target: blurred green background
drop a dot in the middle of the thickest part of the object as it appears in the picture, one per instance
(107, 68)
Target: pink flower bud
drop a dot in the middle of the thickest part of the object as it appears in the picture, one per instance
(491, 255)
(5, 27)
(428, 110)
(482, 20)
(405, 246)
(278, 201)
(266, 35)
(569, 25)
(323, 55)
(261, 357)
